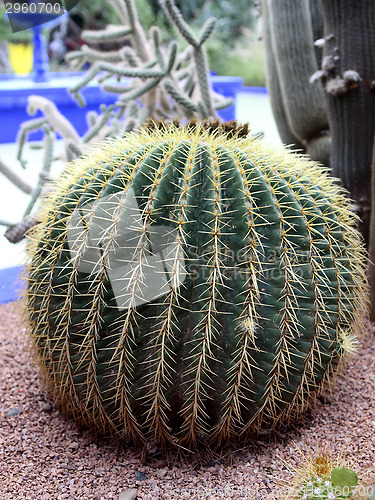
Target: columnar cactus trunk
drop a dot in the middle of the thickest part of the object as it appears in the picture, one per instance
(190, 285)
(299, 107)
(273, 84)
(317, 25)
(349, 81)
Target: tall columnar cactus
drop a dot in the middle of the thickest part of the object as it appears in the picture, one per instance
(299, 107)
(348, 78)
(190, 285)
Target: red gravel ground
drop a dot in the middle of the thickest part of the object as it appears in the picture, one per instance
(44, 455)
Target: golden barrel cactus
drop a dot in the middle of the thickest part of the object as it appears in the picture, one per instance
(189, 284)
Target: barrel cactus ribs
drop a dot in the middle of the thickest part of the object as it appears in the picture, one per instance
(191, 285)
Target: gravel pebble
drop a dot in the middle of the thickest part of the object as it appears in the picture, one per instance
(161, 473)
(46, 407)
(13, 411)
(139, 476)
(44, 455)
(128, 495)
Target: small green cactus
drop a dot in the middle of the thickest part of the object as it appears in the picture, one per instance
(325, 479)
(340, 483)
(191, 285)
(320, 476)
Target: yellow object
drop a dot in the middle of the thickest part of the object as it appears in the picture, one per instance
(21, 57)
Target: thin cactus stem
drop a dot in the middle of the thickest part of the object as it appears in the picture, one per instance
(95, 129)
(73, 148)
(91, 118)
(189, 84)
(26, 128)
(110, 33)
(55, 119)
(223, 103)
(178, 21)
(138, 92)
(202, 77)
(87, 54)
(184, 73)
(117, 70)
(131, 57)
(203, 111)
(81, 101)
(119, 7)
(44, 173)
(139, 39)
(207, 30)
(15, 179)
(174, 91)
(5, 223)
(132, 109)
(17, 231)
(36, 145)
(156, 38)
(184, 57)
(130, 125)
(117, 89)
(198, 54)
(171, 57)
(143, 116)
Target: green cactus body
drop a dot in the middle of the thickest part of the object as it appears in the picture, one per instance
(186, 287)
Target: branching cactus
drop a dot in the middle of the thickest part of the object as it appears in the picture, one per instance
(150, 78)
(160, 83)
(189, 285)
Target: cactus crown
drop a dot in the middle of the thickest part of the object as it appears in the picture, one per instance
(190, 284)
(229, 129)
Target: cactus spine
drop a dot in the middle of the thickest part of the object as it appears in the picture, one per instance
(190, 285)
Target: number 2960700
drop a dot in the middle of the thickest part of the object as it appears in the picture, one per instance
(34, 8)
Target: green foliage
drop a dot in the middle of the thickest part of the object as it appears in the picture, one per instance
(188, 285)
(245, 60)
(233, 18)
(6, 32)
(99, 13)
(95, 13)
(188, 8)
